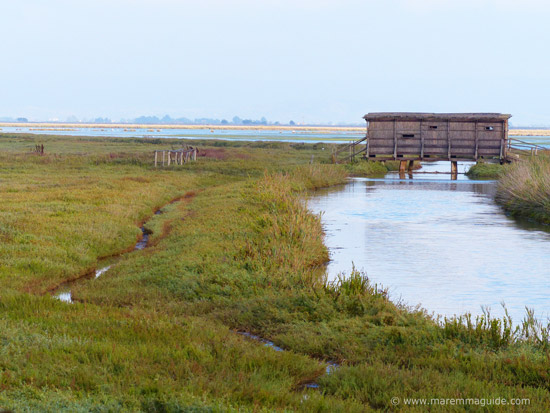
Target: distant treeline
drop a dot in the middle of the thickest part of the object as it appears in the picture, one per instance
(204, 121)
(167, 120)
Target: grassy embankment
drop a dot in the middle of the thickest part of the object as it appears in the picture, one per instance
(485, 170)
(239, 252)
(524, 189)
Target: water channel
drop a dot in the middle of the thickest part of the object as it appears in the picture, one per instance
(440, 243)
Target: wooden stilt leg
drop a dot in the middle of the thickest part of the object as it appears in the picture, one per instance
(454, 167)
(454, 170)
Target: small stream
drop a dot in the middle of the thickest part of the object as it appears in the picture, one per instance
(437, 242)
(331, 365)
(64, 293)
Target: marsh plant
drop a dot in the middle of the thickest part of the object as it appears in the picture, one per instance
(498, 331)
(524, 188)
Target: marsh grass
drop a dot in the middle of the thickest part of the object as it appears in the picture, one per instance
(354, 294)
(485, 170)
(157, 332)
(524, 189)
(367, 168)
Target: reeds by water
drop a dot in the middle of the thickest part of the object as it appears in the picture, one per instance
(524, 189)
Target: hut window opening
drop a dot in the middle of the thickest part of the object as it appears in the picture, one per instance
(489, 128)
(433, 126)
(408, 135)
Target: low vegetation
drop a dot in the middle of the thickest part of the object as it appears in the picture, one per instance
(483, 170)
(362, 168)
(238, 251)
(524, 189)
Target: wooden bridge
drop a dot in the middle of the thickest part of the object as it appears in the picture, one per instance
(409, 137)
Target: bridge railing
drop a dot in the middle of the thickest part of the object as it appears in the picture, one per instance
(348, 152)
(517, 148)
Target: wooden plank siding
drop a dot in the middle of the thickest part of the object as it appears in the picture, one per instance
(436, 136)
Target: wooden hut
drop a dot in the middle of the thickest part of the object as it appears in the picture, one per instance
(436, 136)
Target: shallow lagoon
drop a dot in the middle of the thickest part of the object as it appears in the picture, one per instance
(286, 135)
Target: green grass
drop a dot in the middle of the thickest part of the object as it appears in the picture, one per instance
(238, 252)
(524, 189)
(367, 168)
(485, 170)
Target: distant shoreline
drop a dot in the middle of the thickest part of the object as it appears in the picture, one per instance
(319, 129)
(168, 126)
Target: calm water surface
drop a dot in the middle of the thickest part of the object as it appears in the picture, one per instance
(298, 135)
(439, 243)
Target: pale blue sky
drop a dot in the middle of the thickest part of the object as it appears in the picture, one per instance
(310, 61)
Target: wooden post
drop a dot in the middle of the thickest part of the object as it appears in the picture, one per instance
(503, 153)
(421, 143)
(449, 139)
(454, 167)
(367, 136)
(402, 167)
(169, 157)
(411, 167)
(156, 155)
(194, 154)
(163, 157)
(395, 140)
(477, 145)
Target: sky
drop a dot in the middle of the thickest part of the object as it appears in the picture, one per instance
(323, 61)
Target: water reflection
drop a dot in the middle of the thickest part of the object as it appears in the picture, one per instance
(436, 242)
